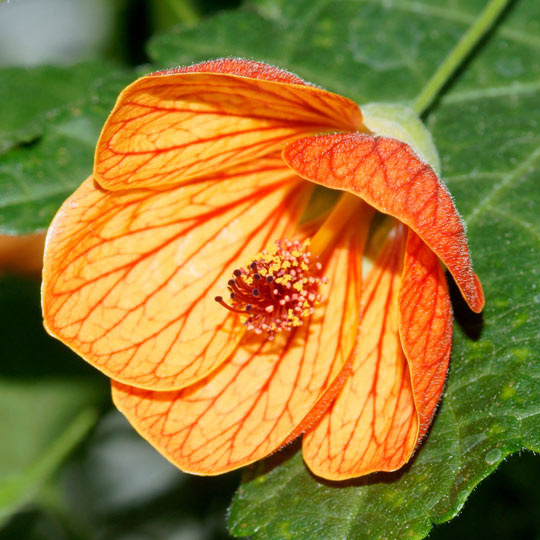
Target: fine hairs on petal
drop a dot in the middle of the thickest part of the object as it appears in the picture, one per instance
(235, 65)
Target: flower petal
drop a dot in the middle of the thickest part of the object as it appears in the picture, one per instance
(390, 177)
(425, 326)
(372, 425)
(252, 404)
(130, 277)
(165, 130)
(237, 66)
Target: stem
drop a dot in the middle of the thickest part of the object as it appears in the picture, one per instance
(184, 10)
(347, 205)
(461, 50)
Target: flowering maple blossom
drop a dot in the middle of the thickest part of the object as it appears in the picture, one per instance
(181, 270)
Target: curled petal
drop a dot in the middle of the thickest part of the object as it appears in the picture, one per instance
(165, 130)
(391, 178)
(372, 425)
(257, 399)
(130, 277)
(425, 326)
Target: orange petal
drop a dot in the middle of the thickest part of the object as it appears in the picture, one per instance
(253, 403)
(372, 425)
(425, 326)
(167, 129)
(237, 66)
(130, 277)
(391, 178)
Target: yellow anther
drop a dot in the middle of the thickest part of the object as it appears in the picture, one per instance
(286, 294)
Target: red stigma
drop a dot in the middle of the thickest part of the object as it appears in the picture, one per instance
(277, 290)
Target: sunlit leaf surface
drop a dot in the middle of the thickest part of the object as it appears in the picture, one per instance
(47, 142)
(51, 88)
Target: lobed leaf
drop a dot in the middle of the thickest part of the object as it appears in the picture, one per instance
(51, 88)
(47, 144)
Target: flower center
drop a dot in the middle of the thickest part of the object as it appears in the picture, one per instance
(278, 289)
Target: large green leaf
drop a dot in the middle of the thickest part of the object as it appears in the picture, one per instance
(486, 129)
(366, 50)
(31, 98)
(48, 397)
(59, 128)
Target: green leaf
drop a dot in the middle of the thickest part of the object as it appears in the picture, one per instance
(503, 506)
(486, 130)
(36, 178)
(31, 98)
(48, 398)
(366, 50)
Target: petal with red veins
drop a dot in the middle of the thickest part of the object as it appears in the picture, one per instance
(390, 177)
(425, 326)
(130, 277)
(237, 66)
(252, 404)
(165, 130)
(372, 425)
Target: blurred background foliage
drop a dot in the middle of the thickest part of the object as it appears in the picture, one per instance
(71, 468)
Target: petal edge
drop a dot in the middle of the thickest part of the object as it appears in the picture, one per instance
(390, 177)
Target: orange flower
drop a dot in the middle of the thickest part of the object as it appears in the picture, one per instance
(198, 172)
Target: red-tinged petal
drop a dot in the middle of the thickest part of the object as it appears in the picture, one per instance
(389, 176)
(372, 425)
(130, 277)
(252, 404)
(237, 66)
(165, 130)
(425, 326)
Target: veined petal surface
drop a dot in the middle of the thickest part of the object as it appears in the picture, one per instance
(165, 130)
(425, 326)
(251, 405)
(390, 177)
(130, 277)
(372, 425)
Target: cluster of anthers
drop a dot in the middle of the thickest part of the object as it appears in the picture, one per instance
(278, 289)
